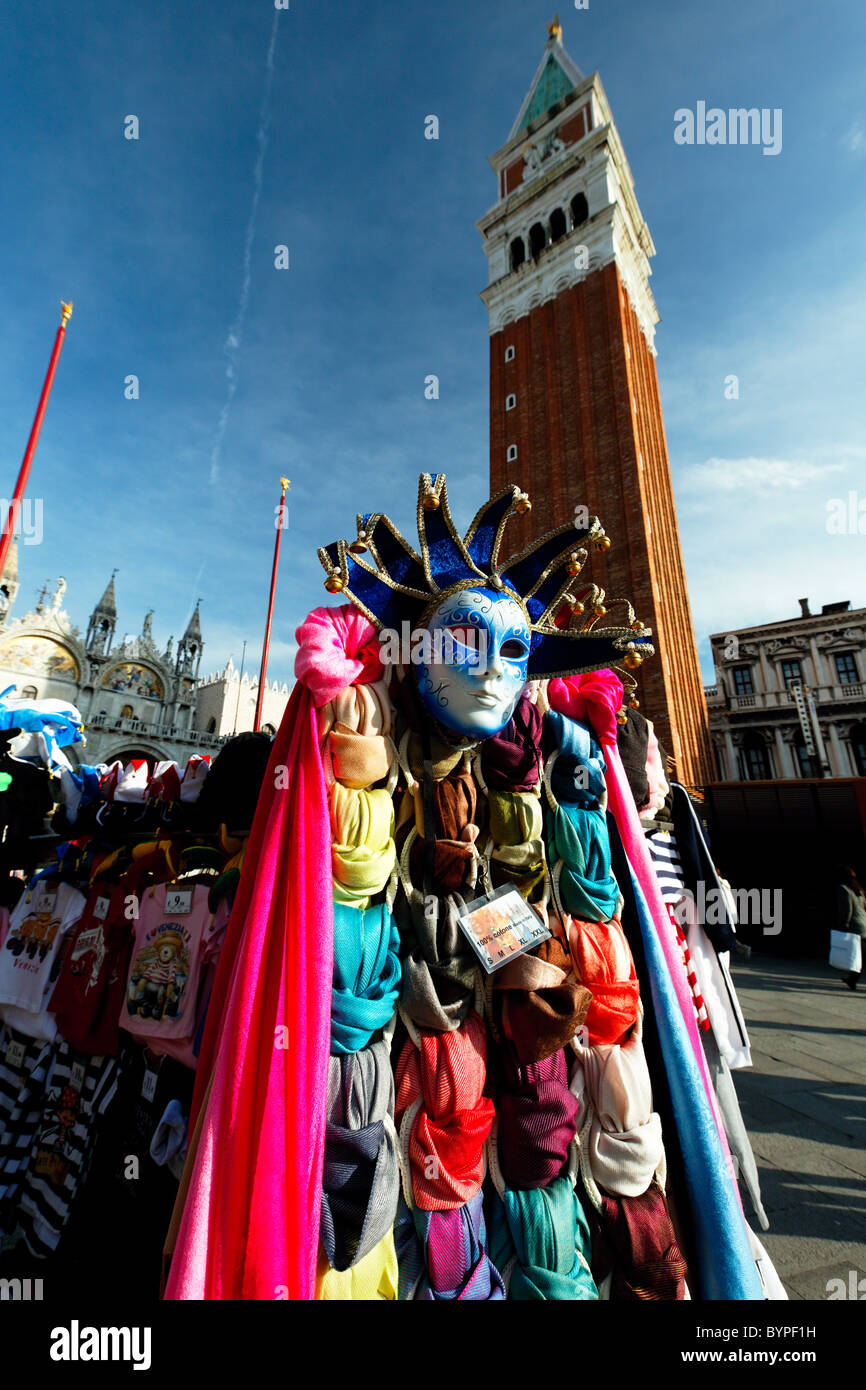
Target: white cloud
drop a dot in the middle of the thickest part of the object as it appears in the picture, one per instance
(760, 475)
(854, 138)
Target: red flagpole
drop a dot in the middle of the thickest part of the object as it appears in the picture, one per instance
(11, 519)
(284, 483)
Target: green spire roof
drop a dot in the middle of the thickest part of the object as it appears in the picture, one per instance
(551, 85)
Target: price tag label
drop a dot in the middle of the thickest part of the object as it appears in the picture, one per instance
(178, 901)
(501, 926)
(77, 1078)
(100, 908)
(15, 1054)
(148, 1085)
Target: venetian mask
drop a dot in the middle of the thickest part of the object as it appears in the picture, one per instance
(473, 668)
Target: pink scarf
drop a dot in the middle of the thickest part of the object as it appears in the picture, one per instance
(250, 1224)
(594, 699)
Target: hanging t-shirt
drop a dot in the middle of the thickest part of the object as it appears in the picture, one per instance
(37, 926)
(80, 1089)
(25, 1069)
(172, 937)
(148, 1084)
(186, 1050)
(90, 988)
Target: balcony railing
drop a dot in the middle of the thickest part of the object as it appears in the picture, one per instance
(168, 732)
(783, 699)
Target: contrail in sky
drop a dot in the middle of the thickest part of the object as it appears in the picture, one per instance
(232, 344)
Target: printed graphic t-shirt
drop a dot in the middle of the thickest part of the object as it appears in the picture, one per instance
(172, 939)
(90, 987)
(37, 926)
(79, 1089)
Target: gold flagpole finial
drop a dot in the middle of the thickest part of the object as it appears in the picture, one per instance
(65, 311)
(285, 484)
(555, 29)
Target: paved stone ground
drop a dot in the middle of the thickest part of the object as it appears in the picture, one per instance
(804, 1104)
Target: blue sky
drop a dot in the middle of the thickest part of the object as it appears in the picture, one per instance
(760, 272)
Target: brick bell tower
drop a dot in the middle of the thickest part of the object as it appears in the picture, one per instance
(575, 412)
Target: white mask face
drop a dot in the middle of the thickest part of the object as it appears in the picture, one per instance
(479, 652)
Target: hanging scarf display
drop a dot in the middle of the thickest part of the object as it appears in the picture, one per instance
(542, 1004)
(536, 1114)
(452, 1260)
(361, 1175)
(522, 1094)
(443, 1115)
(440, 971)
(366, 975)
(603, 963)
(362, 851)
(577, 837)
(637, 1248)
(509, 759)
(540, 1236)
(624, 1146)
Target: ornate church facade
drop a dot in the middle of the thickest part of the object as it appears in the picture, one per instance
(136, 700)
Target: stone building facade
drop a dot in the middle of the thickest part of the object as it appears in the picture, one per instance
(226, 701)
(790, 697)
(136, 699)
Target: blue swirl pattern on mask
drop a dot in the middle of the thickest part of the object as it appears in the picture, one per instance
(473, 687)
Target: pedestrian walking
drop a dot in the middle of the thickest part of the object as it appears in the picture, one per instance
(851, 920)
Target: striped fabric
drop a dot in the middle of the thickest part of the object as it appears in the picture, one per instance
(80, 1089)
(25, 1067)
(669, 872)
(667, 864)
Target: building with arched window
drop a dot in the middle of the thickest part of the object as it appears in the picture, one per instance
(790, 697)
(136, 697)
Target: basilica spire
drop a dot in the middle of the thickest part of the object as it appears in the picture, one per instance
(102, 622)
(189, 648)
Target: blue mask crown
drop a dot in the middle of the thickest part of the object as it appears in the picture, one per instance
(391, 582)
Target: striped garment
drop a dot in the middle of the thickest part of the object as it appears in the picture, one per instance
(81, 1088)
(667, 864)
(25, 1069)
(669, 872)
(160, 972)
